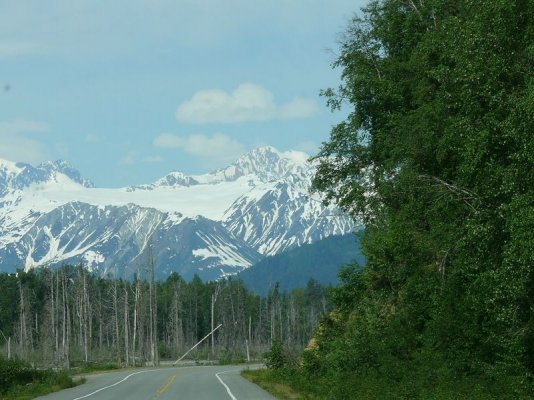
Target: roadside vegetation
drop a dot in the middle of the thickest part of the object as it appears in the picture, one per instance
(276, 384)
(436, 157)
(19, 380)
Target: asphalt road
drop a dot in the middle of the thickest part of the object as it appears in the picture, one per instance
(195, 383)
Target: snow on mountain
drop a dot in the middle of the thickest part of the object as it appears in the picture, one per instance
(115, 240)
(282, 217)
(15, 176)
(8, 171)
(175, 178)
(209, 200)
(214, 224)
(266, 164)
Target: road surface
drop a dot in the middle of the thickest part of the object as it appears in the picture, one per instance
(195, 383)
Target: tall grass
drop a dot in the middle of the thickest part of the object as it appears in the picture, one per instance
(19, 380)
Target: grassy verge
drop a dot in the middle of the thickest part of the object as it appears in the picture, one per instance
(20, 381)
(274, 383)
(92, 367)
(290, 384)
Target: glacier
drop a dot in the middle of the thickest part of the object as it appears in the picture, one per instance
(213, 225)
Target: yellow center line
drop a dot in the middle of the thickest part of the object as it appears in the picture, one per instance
(164, 388)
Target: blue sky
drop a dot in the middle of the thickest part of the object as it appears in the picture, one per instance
(130, 90)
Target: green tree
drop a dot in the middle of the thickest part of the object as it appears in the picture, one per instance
(436, 158)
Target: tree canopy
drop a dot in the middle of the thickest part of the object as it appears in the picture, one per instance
(437, 159)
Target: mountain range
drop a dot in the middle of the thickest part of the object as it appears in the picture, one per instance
(213, 225)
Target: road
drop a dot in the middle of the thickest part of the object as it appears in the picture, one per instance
(195, 383)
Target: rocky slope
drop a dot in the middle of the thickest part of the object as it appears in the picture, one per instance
(212, 225)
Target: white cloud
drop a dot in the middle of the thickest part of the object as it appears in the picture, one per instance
(216, 149)
(17, 143)
(92, 138)
(298, 108)
(22, 126)
(249, 102)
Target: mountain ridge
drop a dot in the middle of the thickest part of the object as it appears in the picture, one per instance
(259, 205)
(320, 260)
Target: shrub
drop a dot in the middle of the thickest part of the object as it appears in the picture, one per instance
(277, 358)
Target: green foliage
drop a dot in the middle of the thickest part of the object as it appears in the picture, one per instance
(436, 158)
(8, 313)
(83, 367)
(277, 358)
(281, 387)
(15, 372)
(20, 380)
(231, 357)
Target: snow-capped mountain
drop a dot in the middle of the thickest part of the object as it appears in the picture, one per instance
(265, 164)
(214, 224)
(19, 175)
(283, 217)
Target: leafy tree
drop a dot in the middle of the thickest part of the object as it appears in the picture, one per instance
(435, 157)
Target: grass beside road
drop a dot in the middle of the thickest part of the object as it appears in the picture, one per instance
(289, 384)
(20, 381)
(271, 382)
(93, 367)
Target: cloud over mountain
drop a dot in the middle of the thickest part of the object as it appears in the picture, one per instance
(217, 147)
(248, 102)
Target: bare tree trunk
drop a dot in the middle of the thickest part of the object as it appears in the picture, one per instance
(280, 321)
(151, 320)
(214, 296)
(66, 321)
(136, 308)
(100, 325)
(52, 312)
(126, 324)
(260, 327)
(85, 322)
(23, 333)
(153, 311)
(177, 333)
(56, 312)
(250, 329)
(79, 308)
(36, 329)
(116, 312)
(155, 330)
(273, 322)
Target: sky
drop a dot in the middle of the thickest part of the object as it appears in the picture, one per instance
(129, 90)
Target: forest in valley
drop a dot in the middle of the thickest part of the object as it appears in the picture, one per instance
(69, 317)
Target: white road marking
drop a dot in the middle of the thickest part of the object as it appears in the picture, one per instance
(122, 380)
(224, 384)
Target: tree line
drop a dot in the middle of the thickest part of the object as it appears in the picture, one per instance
(69, 316)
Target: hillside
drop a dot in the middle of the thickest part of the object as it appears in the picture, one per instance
(292, 269)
